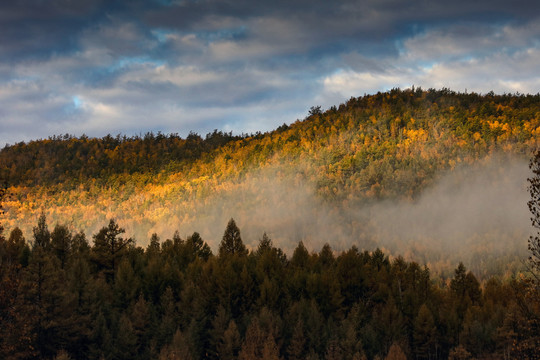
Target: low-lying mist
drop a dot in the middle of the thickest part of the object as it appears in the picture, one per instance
(475, 213)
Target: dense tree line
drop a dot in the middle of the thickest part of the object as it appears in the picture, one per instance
(64, 296)
(70, 159)
(356, 144)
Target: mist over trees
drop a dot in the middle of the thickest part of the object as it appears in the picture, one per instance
(337, 174)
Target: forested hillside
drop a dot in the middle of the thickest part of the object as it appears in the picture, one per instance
(327, 178)
(394, 226)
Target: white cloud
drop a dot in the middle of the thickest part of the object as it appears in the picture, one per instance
(502, 59)
(470, 41)
(346, 83)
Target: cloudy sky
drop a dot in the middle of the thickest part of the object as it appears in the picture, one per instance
(97, 67)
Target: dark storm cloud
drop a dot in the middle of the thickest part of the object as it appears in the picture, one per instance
(31, 29)
(110, 66)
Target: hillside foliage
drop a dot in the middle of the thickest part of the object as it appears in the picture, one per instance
(387, 146)
(103, 285)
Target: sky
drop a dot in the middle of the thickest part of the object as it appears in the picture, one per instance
(99, 67)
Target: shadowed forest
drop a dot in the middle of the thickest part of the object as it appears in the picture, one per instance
(65, 298)
(394, 226)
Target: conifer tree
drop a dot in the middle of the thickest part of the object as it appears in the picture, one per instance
(125, 345)
(300, 256)
(265, 244)
(109, 248)
(101, 342)
(424, 333)
(297, 345)
(197, 247)
(16, 249)
(395, 353)
(61, 239)
(42, 236)
(167, 325)
(231, 343)
(232, 244)
(179, 349)
(141, 320)
(333, 351)
(153, 248)
(258, 344)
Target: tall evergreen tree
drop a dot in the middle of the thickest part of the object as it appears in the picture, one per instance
(16, 249)
(109, 248)
(231, 343)
(424, 334)
(297, 345)
(232, 244)
(61, 239)
(197, 247)
(42, 236)
(300, 256)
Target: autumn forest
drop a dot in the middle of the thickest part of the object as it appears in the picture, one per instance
(393, 226)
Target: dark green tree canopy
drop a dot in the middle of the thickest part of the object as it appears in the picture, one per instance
(232, 244)
(119, 301)
(198, 247)
(109, 248)
(42, 236)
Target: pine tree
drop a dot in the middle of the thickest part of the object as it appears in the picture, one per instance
(231, 343)
(125, 345)
(42, 236)
(16, 249)
(126, 285)
(198, 248)
(258, 344)
(265, 244)
(109, 248)
(169, 318)
(17, 316)
(297, 344)
(61, 239)
(424, 333)
(232, 244)
(178, 349)
(459, 353)
(47, 295)
(153, 248)
(333, 351)
(395, 353)
(141, 320)
(300, 256)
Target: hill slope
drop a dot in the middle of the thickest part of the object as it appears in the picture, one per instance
(327, 178)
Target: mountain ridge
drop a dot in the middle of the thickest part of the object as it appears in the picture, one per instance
(324, 169)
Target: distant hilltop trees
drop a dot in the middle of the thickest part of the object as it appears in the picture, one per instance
(423, 128)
